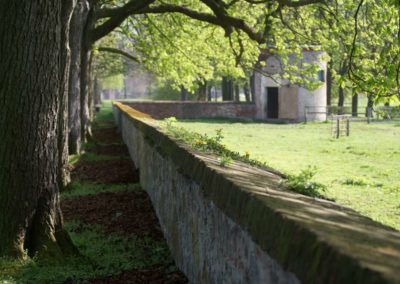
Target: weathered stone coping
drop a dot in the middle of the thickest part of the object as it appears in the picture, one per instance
(317, 240)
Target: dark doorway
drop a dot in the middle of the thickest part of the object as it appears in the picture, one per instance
(272, 102)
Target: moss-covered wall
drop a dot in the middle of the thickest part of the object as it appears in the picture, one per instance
(235, 224)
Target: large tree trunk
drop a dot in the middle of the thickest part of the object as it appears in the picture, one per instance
(87, 44)
(32, 125)
(78, 22)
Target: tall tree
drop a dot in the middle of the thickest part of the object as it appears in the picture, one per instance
(77, 26)
(33, 77)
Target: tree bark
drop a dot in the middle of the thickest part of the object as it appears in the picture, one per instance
(370, 104)
(329, 84)
(202, 92)
(97, 91)
(227, 89)
(91, 92)
(184, 94)
(340, 100)
(354, 105)
(209, 88)
(252, 81)
(237, 93)
(87, 44)
(78, 21)
(32, 125)
(246, 91)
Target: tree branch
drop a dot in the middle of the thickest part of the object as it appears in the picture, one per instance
(225, 21)
(299, 3)
(119, 52)
(116, 17)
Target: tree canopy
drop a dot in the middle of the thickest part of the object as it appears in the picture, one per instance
(187, 42)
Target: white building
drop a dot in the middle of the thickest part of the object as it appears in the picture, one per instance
(277, 98)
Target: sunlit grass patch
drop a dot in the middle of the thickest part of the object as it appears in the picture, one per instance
(360, 171)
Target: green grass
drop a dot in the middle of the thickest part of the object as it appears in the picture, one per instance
(79, 188)
(103, 254)
(88, 156)
(361, 171)
(104, 118)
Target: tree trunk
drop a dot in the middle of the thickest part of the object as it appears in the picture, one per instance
(354, 105)
(90, 93)
(340, 100)
(227, 89)
(84, 80)
(78, 21)
(370, 104)
(33, 108)
(341, 97)
(202, 92)
(87, 44)
(252, 81)
(209, 95)
(97, 90)
(184, 93)
(329, 84)
(237, 93)
(246, 91)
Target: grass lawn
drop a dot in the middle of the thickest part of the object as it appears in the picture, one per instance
(361, 171)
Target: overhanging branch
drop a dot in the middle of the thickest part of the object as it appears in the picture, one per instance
(116, 17)
(119, 52)
(227, 22)
(298, 3)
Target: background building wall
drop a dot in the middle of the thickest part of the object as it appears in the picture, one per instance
(292, 98)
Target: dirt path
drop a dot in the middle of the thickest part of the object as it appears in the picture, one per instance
(128, 213)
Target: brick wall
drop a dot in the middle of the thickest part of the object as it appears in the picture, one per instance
(163, 109)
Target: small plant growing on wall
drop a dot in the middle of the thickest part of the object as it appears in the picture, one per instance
(169, 121)
(224, 160)
(302, 182)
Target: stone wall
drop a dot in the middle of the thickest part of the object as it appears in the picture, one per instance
(236, 224)
(190, 109)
